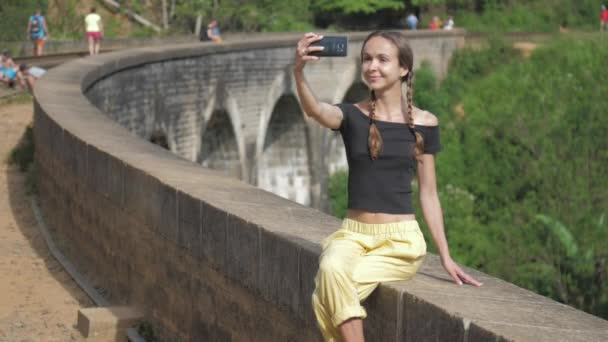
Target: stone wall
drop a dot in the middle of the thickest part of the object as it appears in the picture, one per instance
(278, 148)
(209, 257)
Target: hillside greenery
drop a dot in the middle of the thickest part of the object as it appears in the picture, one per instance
(522, 175)
(65, 16)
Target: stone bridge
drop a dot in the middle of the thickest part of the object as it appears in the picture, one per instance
(237, 111)
(207, 256)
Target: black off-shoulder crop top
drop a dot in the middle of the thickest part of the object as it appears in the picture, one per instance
(383, 185)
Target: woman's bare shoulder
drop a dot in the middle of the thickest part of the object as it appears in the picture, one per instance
(363, 106)
(424, 118)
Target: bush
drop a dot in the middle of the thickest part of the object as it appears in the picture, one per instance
(15, 15)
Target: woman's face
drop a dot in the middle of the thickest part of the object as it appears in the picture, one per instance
(380, 64)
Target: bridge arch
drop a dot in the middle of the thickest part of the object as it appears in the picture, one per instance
(283, 165)
(219, 147)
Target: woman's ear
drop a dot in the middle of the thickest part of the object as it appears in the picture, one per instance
(403, 72)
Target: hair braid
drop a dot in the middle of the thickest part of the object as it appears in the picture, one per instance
(374, 140)
(419, 146)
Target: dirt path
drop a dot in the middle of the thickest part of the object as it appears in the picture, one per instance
(38, 299)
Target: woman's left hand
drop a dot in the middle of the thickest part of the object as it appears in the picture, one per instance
(457, 273)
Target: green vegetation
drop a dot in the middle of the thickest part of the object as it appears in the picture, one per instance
(523, 169)
(529, 16)
(15, 14)
(338, 192)
(302, 15)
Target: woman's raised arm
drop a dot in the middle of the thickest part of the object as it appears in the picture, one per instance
(326, 114)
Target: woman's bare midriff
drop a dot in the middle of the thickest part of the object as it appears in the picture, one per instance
(367, 217)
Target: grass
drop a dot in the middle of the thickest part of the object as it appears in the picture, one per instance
(22, 155)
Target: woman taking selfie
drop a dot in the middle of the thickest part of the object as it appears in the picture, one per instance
(387, 140)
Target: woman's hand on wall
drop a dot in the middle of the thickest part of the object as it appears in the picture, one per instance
(457, 273)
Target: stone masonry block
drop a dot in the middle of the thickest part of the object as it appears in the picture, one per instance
(107, 322)
(384, 314)
(279, 270)
(153, 202)
(478, 334)
(189, 228)
(214, 227)
(98, 171)
(167, 224)
(74, 155)
(55, 141)
(423, 321)
(242, 251)
(41, 120)
(308, 267)
(205, 329)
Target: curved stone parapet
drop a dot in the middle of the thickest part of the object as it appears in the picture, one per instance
(207, 256)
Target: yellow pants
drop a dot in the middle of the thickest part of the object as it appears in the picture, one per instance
(355, 260)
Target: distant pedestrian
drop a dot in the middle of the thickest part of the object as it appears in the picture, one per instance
(29, 75)
(37, 32)
(449, 24)
(435, 23)
(94, 29)
(412, 21)
(604, 19)
(213, 32)
(8, 69)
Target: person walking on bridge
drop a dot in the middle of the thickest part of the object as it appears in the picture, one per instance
(94, 29)
(388, 141)
(37, 32)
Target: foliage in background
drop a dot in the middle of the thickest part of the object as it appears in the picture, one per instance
(303, 15)
(529, 15)
(523, 169)
(253, 15)
(15, 15)
(337, 189)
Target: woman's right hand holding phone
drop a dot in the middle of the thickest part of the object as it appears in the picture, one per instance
(303, 49)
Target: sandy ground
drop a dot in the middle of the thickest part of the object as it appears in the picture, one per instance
(38, 299)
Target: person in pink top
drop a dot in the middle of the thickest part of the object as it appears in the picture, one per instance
(604, 19)
(94, 29)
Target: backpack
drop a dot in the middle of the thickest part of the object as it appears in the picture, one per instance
(35, 26)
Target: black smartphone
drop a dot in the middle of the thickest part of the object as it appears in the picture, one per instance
(334, 46)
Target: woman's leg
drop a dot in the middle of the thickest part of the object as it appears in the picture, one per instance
(352, 330)
(335, 299)
(351, 267)
(91, 45)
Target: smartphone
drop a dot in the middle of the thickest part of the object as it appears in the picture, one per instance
(334, 46)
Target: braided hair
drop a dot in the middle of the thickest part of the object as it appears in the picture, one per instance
(406, 60)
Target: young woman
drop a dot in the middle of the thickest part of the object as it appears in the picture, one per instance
(94, 31)
(387, 141)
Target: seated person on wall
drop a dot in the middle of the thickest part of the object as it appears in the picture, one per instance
(8, 69)
(449, 24)
(27, 76)
(388, 141)
(435, 23)
(213, 32)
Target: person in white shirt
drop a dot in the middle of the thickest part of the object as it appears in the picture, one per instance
(28, 76)
(449, 24)
(94, 29)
